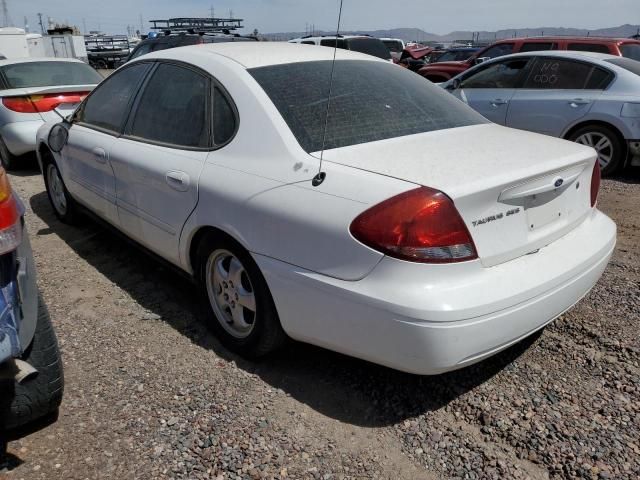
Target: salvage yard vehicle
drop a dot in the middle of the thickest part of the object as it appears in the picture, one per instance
(31, 379)
(357, 43)
(402, 228)
(182, 39)
(589, 98)
(30, 89)
(396, 46)
(621, 47)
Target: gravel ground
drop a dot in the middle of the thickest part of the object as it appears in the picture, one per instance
(150, 393)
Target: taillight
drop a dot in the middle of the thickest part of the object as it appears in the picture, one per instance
(10, 228)
(420, 225)
(41, 103)
(595, 183)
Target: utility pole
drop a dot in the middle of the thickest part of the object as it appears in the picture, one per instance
(212, 12)
(41, 25)
(6, 19)
(84, 26)
(230, 13)
(26, 24)
(141, 25)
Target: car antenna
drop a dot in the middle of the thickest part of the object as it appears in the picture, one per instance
(320, 176)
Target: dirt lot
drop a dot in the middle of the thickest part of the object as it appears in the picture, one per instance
(151, 394)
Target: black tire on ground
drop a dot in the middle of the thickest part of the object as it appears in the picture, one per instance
(41, 394)
(7, 158)
(71, 215)
(617, 151)
(267, 334)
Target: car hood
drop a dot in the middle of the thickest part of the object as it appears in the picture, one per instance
(461, 160)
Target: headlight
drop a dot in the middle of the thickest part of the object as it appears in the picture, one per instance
(630, 110)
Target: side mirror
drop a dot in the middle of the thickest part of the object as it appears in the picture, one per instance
(480, 60)
(453, 84)
(58, 136)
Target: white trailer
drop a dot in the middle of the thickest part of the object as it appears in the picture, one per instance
(13, 43)
(65, 46)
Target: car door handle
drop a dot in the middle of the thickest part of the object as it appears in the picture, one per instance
(576, 102)
(100, 155)
(177, 180)
(498, 101)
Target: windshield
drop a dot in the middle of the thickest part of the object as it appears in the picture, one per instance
(49, 74)
(627, 64)
(631, 50)
(393, 45)
(370, 101)
(370, 46)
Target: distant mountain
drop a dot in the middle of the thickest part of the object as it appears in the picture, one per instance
(409, 34)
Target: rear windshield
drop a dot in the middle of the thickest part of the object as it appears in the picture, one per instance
(45, 74)
(370, 46)
(627, 64)
(631, 50)
(370, 101)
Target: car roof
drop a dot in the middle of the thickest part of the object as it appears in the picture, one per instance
(11, 61)
(259, 54)
(572, 54)
(340, 37)
(569, 38)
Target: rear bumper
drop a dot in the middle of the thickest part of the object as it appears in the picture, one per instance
(431, 319)
(20, 137)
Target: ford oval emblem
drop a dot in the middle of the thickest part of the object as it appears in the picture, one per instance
(559, 183)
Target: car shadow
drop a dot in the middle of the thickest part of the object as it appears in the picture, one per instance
(630, 175)
(26, 166)
(338, 386)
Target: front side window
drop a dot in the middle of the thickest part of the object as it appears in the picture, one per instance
(108, 105)
(558, 73)
(49, 74)
(173, 108)
(370, 101)
(588, 47)
(499, 75)
(498, 50)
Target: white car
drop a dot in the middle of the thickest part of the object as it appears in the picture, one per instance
(429, 240)
(30, 89)
(396, 46)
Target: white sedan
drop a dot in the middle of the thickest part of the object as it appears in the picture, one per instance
(430, 240)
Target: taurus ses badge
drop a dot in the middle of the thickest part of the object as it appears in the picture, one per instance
(559, 183)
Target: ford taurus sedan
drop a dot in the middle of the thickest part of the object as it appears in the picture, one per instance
(410, 232)
(589, 98)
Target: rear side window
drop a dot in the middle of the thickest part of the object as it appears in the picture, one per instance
(49, 74)
(630, 50)
(370, 101)
(173, 108)
(108, 105)
(370, 46)
(538, 46)
(331, 42)
(308, 42)
(224, 119)
(589, 47)
(557, 73)
(141, 50)
(599, 79)
(627, 64)
(499, 75)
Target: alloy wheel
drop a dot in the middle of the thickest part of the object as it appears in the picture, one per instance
(601, 143)
(56, 189)
(231, 293)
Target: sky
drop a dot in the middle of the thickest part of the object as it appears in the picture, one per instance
(268, 16)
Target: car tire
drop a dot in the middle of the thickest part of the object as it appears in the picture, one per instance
(64, 206)
(607, 142)
(40, 395)
(7, 158)
(247, 321)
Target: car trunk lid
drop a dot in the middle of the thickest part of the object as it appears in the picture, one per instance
(63, 94)
(516, 191)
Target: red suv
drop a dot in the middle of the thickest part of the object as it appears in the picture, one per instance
(621, 47)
